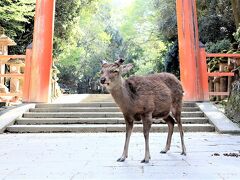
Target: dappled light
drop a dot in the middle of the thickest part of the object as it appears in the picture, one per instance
(106, 30)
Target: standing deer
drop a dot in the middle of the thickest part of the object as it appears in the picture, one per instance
(144, 98)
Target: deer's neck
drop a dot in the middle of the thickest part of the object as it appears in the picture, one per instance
(121, 95)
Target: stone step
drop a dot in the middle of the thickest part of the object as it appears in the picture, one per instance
(82, 104)
(94, 104)
(102, 128)
(98, 98)
(93, 109)
(102, 116)
(76, 109)
(92, 114)
(34, 121)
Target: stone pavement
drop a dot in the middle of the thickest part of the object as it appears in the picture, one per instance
(93, 156)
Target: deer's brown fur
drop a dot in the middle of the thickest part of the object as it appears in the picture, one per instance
(143, 98)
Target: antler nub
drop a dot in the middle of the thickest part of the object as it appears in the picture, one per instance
(119, 61)
(103, 62)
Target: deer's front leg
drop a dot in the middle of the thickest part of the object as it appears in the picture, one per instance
(129, 127)
(147, 123)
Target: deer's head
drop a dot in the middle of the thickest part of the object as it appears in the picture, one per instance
(111, 73)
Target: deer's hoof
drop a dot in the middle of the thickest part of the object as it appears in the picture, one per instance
(145, 161)
(121, 159)
(163, 152)
(184, 153)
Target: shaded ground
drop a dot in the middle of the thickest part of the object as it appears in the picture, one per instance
(93, 156)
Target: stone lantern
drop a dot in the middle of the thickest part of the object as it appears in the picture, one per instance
(15, 66)
(5, 41)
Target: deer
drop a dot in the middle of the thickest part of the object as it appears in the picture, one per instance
(144, 98)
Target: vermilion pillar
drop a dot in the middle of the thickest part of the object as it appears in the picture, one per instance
(189, 51)
(27, 74)
(41, 62)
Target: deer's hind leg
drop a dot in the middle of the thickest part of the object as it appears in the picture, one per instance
(176, 111)
(170, 122)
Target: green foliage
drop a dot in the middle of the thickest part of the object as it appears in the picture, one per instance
(143, 46)
(115, 46)
(69, 77)
(166, 19)
(220, 46)
(171, 59)
(216, 21)
(101, 30)
(215, 27)
(14, 14)
(16, 17)
(80, 41)
(143, 33)
(66, 18)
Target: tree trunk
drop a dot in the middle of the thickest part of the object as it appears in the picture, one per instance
(236, 12)
(233, 105)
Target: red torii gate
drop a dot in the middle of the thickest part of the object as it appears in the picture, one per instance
(193, 71)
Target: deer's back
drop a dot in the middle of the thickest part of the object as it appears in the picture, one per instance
(155, 92)
(161, 82)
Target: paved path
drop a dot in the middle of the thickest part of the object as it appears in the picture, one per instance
(93, 156)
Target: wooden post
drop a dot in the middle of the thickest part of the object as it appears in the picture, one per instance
(217, 87)
(223, 80)
(39, 81)
(211, 84)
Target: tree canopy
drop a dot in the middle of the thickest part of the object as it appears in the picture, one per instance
(106, 30)
(16, 17)
(142, 32)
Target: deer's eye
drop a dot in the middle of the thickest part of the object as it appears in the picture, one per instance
(114, 71)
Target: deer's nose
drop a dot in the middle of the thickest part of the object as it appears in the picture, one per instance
(102, 80)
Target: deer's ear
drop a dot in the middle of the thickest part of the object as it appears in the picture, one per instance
(103, 63)
(126, 68)
(119, 61)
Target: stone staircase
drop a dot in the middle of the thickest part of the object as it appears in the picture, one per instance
(97, 114)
